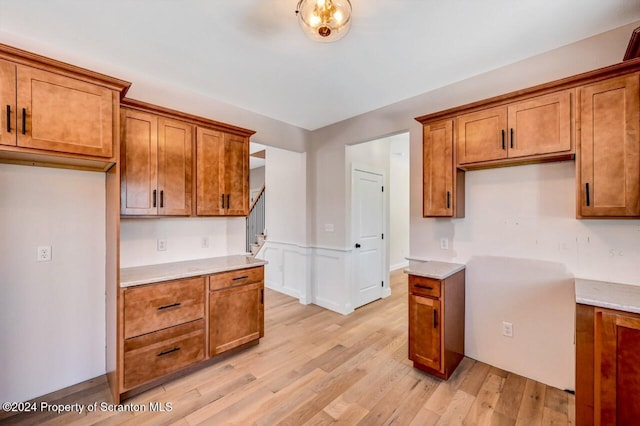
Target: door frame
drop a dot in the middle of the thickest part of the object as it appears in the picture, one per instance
(386, 289)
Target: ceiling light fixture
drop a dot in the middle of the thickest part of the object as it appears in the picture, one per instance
(324, 20)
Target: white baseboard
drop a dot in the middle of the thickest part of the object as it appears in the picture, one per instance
(400, 265)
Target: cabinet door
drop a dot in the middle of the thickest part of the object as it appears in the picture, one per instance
(236, 317)
(437, 149)
(64, 114)
(609, 161)
(482, 136)
(175, 167)
(617, 369)
(8, 113)
(139, 168)
(210, 172)
(236, 175)
(424, 331)
(540, 125)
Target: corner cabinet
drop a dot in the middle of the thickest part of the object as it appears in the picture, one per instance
(436, 323)
(442, 182)
(177, 164)
(157, 165)
(222, 173)
(608, 183)
(56, 114)
(607, 366)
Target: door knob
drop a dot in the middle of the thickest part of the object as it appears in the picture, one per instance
(357, 245)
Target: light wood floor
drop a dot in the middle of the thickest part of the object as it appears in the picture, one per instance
(316, 367)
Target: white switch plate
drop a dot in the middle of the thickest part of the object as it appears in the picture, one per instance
(444, 243)
(328, 227)
(507, 329)
(205, 242)
(162, 245)
(44, 254)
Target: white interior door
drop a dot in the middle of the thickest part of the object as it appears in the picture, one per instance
(368, 227)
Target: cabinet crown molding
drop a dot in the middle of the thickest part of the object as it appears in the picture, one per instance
(615, 70)
(23, 57)
(179, 115)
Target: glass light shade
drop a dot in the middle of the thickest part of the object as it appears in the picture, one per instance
(324, 20)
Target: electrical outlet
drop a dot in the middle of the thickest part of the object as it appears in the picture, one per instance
(44, 254)
(205, 242)
(444, 243)
(507, 329)
(162, 245)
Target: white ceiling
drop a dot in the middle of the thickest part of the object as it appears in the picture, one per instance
(251, 53)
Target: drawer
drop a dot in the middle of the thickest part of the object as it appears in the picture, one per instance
(237, 277)
(156, 306)
(424, 286)
(156, 354)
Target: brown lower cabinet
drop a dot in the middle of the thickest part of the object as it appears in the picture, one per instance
(168, 326)
(607, 366)
(236, 316)
(436, 323)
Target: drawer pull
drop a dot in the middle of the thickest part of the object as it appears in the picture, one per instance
(170, 351)
(173, 305)
(244, 277)
(424, 286)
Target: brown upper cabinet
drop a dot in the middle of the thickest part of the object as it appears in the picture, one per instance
(49, 109)
(170, 159)
(599, 110)
(156, 165)
(441, 179)
(532, 127)
(608, 183)
(222, 173)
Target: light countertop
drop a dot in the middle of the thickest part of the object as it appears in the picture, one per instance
(191, 268)
(433, 269)
(621, 297)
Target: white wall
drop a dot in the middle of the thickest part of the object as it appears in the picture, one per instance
(139, 239)
(523, 246)
(256, 178)
(285, 220)
(399, 201)
(52, 314)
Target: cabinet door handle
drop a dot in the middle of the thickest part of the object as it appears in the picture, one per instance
(424, 286)
(435, 318)
(448, 199)
(8, 118)
(162, 199)
(512, 137)
(223, 201)
(170, 351)
(228, 201)
(173, 305)
(262, 297)
(24, 121)
(155, 193)
(586, 190)
(244, 277)
(503, 146)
